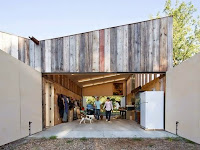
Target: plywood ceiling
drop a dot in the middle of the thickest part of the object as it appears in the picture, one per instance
(95, 78)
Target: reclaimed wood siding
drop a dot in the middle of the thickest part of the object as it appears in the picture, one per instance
(139, 47)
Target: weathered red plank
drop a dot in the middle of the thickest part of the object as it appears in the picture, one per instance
(101, 50)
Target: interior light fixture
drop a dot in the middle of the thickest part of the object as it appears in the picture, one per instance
(98, 83)
(96, 78)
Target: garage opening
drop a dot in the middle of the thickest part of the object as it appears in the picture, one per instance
(136, 99)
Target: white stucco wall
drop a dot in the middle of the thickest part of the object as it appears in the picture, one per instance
(20, 99)
(183, 99)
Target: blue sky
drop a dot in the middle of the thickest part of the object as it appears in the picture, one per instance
(53, 18)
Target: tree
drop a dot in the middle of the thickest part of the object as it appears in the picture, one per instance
(186, 30)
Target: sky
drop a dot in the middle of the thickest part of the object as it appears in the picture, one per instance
(46, 19)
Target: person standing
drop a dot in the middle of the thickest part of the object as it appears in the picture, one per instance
(97, 106)
(109, 107)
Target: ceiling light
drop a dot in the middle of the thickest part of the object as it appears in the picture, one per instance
(109, 81)
(120, 79)
(87, 85)
(84, 80)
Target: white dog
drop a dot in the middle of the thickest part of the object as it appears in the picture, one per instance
(87, 117)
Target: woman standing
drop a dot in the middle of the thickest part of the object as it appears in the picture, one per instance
(109, 107)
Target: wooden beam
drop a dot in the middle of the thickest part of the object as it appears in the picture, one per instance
(34, 40)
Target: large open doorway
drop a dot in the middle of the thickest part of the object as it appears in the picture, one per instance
(81, 90)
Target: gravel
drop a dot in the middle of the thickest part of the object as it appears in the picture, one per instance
(102, 144)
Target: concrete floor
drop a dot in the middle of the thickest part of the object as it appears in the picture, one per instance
(118, 128)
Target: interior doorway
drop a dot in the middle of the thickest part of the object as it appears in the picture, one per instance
(49, 104)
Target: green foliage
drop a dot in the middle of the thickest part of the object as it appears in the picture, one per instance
(173, 139)
(83, 139)
(69, 141)
(186, 30)
(53, 137)
(137, 139)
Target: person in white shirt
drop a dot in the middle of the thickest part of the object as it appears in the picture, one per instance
(109, 107)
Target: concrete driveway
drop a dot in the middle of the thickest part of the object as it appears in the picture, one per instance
(118, 128)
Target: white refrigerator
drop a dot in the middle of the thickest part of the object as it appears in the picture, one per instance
(152, 110)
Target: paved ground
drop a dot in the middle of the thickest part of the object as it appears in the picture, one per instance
(118, 128)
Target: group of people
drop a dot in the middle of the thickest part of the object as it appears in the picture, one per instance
(108, 106)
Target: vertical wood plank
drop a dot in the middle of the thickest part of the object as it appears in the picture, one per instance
(53, 54)
(125, 50)
(37, 57)
(32, 53)
(90, 41)
(143, 60)
(14, 46)
(21, 49)
(49, 51)
(120, 48)
(72, 47)
(43, 63)
(170, 42)
(130, 49)
(137, 47)
(163, 44)
(101, 49)
(78, 40)
(113, 50)
(27, 51)
(156, 45)
(60, 54)
(95, 47)
(82, 53)
(87, 61)
(107, 50)
(66, 54)
(150, 46)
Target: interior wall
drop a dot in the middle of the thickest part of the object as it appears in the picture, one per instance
(58, 89)
(102, 89)
(20, 99)
(183, 99)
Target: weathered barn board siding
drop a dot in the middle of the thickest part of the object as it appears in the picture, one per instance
(32, 53)
(48, 55)
(107, 50)
(163, 44)
(113, 50)
(72, 49)
(156, 45)
(101, 48)
(170, 42)
(139, 47)
(126, 50)
(95, 48)
(66, 54)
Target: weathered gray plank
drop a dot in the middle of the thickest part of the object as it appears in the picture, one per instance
(87, 61)
(60, 54)
(53, 54)
(78, 40)
(125, 50)
(72, 42)
(170, 42)
(156, 45)
(137, 47)
(90, 45)
(82, 53)
(49, 51)
(95, 47)
(43, 63)
(21, 49)
(14, 46)
(66, 55)
(143, 60)
(32, 53)
(27, 51)
(38, 58)
(120, 48)
(107, 50)
(149, 46)
(113, 49)
(130, 48)
(163, 44)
